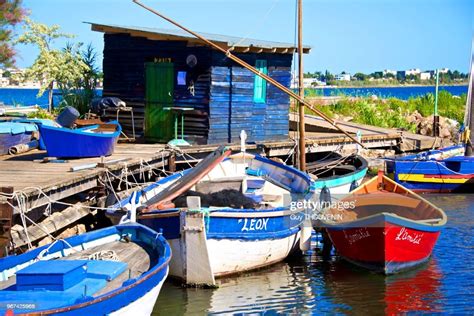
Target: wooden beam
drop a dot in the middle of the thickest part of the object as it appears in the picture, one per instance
(282, 50)
(6, 217)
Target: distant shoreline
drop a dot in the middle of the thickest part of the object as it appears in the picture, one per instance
(30, 87)
(387, 86)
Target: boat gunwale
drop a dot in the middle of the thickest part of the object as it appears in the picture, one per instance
(396, 219)
(81, 132)
(363, 168)
(144, 277)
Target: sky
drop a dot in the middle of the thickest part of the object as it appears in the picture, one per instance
(345, 35)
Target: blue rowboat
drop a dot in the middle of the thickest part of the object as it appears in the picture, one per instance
(89, 141)
(443, 170)
(222, 237)
(113, 271)
(14, 133)
(337, 174)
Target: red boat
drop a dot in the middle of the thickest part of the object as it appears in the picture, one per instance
(384, 227)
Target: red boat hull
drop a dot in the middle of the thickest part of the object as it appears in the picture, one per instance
(384, 246)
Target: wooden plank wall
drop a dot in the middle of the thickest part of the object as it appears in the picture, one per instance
(124, 77)
(223, 98)
(231, 105)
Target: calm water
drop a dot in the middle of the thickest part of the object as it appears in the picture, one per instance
(310, 286)
(403, 93)
(28, 96)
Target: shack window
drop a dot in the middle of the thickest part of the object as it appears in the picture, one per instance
(260, 84)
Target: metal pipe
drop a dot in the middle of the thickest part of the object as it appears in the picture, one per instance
(252, 69)
(302, 142)
(435, 116)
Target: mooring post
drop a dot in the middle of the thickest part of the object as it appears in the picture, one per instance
(172, 162)
(6, 218)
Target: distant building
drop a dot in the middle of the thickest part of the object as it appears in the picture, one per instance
(401, 74)
(443, 70)
(414, 71)
(426, 75)
(343, 77)
(307, 82)
(4, 81)
(388, 71)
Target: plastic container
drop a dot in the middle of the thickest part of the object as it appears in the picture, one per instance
(67, 117)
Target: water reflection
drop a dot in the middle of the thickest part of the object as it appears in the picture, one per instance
(360, 291)
(310, 285)
(280, 288)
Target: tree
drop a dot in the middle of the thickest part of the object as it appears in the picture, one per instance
(79, 93)
(63, 67)
(377, 75)
(328, 76)
(360, 76)
(11, 14)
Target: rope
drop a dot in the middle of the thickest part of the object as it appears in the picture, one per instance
(259, 25)
(338, 163)
(44, 251)
(109, 255)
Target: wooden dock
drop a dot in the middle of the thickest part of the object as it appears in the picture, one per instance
(42, 183)
(56, 180)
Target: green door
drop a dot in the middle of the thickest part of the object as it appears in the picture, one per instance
(159, 95)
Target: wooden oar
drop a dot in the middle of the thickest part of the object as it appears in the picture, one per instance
(163, 200)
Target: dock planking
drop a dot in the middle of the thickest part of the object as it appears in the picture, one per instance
(58, 182)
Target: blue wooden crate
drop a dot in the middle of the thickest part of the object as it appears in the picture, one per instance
(53, 275)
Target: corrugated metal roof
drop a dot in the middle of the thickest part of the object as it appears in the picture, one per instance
(176, 34)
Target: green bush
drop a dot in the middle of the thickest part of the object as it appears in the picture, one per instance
(393, 112)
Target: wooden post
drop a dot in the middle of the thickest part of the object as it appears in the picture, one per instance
(172, 162)
(6, 218)
(197, 265)
(302, 142)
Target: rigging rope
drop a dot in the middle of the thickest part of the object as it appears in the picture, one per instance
(258, 26)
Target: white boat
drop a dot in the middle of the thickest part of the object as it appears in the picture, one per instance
(212, 240)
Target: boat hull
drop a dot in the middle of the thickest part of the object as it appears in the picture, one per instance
(135, 296)
(243, 242)
(67, 143)
(384, 244)
(343, 184)
(433, 173)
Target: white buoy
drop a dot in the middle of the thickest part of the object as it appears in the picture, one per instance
(359, 139)
(243, 139)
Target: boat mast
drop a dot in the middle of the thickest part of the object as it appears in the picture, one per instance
(302, 142)
(244, 64)
(469, 115)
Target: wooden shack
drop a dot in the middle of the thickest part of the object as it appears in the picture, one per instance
(156, 71)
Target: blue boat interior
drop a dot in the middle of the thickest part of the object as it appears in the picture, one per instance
(79, 269)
